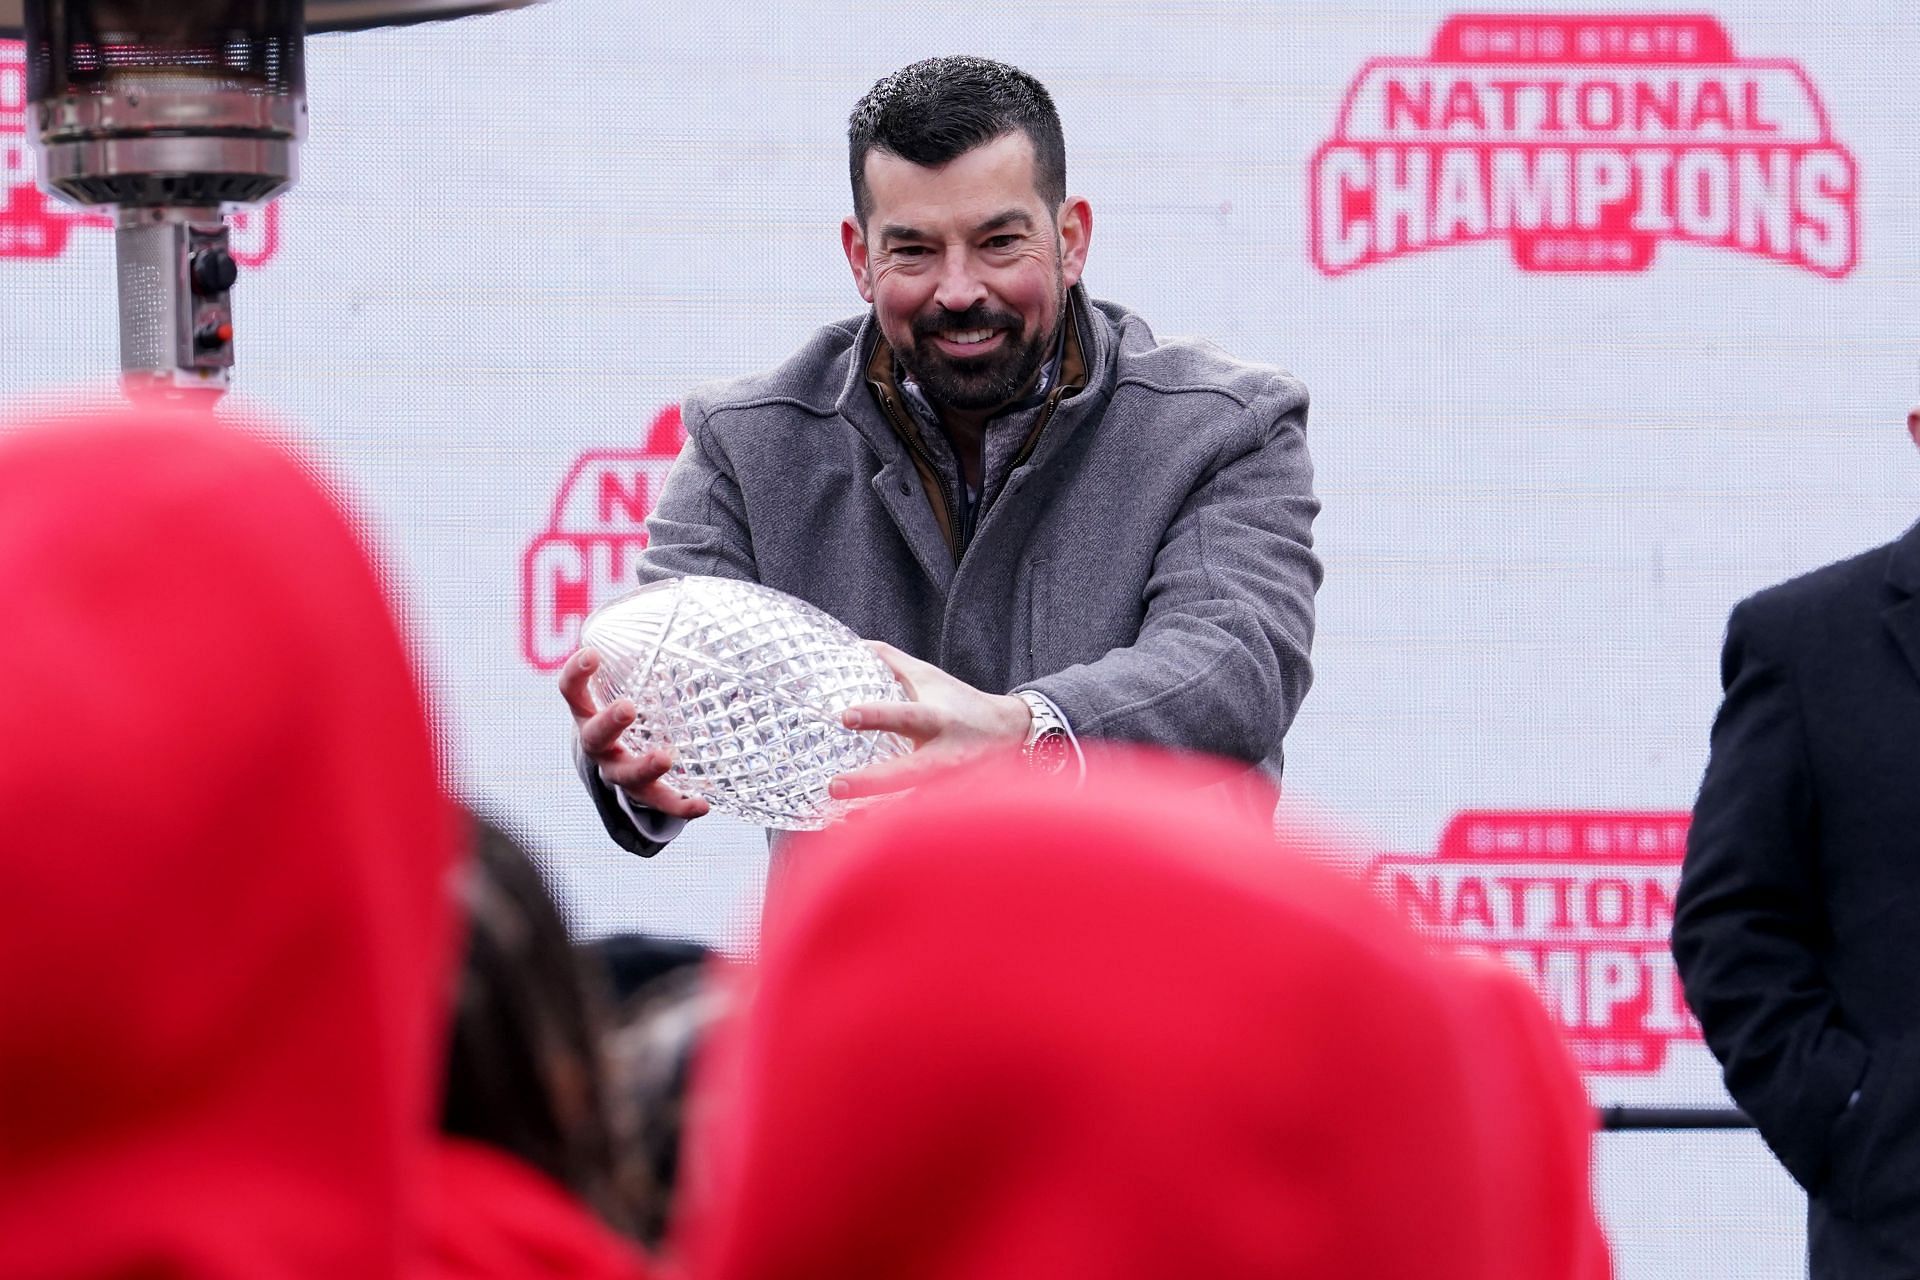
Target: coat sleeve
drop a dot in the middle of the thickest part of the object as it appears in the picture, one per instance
(699, 526)
(1220, 665)
(1749, 926)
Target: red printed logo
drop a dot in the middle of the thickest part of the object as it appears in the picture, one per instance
(590, 551)
(1580, 904)
(34, 226)
(1583, 141)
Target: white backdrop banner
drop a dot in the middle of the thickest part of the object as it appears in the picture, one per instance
(1602, 313)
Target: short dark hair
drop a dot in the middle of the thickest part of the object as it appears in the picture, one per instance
(938, 109)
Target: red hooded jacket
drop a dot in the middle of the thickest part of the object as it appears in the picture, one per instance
(225, 936)
(1535, 1127)
(499, 1218)
(1010, 1031)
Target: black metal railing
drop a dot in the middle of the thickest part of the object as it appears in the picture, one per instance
(1626, 1119)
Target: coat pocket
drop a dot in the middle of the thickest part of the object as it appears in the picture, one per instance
(1035, 653)
(1874, 1145)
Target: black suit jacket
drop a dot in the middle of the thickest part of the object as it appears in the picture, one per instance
(1797, 927)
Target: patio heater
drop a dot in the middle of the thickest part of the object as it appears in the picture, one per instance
(171, 114)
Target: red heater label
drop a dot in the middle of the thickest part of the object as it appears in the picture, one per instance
(1583, 142)
(1580, 904)
(33, 225)
(590, 551)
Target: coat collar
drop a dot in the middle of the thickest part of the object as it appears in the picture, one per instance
(1083, 363)
(885, 411)
(1903, 616)
(1903, 563)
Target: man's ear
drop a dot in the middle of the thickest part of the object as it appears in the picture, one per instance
(1076, 231)
(853, 242)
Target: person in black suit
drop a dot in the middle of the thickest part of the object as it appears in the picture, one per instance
(1797, 926)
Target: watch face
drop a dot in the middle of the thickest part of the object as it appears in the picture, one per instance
(1050, 752)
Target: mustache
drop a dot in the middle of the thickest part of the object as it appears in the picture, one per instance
(978, 316)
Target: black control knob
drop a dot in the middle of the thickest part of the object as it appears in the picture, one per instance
(213, 271)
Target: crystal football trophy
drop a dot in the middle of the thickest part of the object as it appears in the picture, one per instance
(745, 685)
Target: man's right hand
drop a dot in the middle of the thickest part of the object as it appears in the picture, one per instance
(637, 774)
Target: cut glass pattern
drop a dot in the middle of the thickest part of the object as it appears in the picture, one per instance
(746, 686)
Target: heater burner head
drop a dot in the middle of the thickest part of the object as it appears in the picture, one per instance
(173, 111)
(159, 102)
(335, 15)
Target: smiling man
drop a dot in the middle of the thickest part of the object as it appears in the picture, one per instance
(1056, 527)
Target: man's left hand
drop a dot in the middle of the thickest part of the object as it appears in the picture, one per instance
(949, 723)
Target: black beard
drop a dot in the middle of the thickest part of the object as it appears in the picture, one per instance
(982, 382)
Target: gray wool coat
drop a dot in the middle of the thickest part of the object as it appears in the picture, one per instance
(1146, 562)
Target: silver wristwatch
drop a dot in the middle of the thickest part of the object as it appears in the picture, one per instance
(1047, 748)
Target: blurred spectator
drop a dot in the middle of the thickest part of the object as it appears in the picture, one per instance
(526, 1068)
(633, 962)
(1000, 1030)
(663, 1027)
(664, 1006)
(220, 1000)
(220, 1030)
(533, 1139)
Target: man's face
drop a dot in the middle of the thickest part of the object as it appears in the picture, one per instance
(967, 268)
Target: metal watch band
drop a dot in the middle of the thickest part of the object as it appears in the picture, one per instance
(1047, 748)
